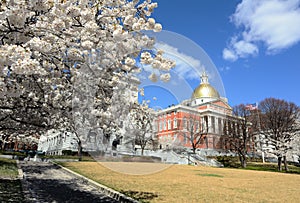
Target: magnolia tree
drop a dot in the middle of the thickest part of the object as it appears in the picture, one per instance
(295, 151)
(71, 55)
(140, 131)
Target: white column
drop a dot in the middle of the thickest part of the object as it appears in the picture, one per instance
(209, 124)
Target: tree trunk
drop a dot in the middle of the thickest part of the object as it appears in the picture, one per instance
(279, 163)
(285, 164)
(3, 145)
(244, 165)
(242, 158)
(142, 153)
(194, 150)
(79, 150)
(244, 162)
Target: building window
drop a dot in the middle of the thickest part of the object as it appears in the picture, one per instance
(175, 123)
(196, 125)
(225, 128)
(169, 124)
(205, 124)
(165, 125)
(184, 138)
(184, 123)
(220, 125)
(160, 125)
(229, 128)
(155, 126)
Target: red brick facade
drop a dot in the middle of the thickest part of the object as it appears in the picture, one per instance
(175, 125)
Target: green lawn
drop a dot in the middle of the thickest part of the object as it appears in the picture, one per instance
(257, 165)
(271, 167)
(8, 168)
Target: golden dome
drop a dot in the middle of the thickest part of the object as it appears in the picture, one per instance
(205, 90)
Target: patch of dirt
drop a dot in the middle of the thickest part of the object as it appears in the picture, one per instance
(135, 168)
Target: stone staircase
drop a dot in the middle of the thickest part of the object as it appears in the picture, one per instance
(172, 157)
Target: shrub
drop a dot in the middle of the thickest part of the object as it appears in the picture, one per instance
(68, 152)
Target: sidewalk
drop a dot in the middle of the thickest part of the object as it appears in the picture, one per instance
(46, 182)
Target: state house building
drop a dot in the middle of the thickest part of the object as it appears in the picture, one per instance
(206, 115)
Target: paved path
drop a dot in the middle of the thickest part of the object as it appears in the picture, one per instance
(45, 182)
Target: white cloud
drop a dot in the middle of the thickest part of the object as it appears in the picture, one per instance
(243, 48)
(275, 23)
(186, 66)
(229, 55)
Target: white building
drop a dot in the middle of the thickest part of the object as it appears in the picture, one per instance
(55, 142)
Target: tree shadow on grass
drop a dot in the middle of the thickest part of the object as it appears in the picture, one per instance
(139, 195)
(11, 190)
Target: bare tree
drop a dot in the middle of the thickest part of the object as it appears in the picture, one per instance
(195, 129)
(238, 134)
(279, 126)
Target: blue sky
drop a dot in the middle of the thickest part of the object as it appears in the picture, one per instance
(253, 44)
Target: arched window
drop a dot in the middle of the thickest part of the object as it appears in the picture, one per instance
(175, 123)
(184, 123)
(160, 125)
(169, 124)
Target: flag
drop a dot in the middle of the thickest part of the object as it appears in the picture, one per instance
(251, 106)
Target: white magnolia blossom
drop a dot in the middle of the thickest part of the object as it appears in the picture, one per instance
(28, 67)
(157, 27)
(165, 77)
(156, 64)
(66, 57)
(146, 58)
(153, 77)
(129, 61)
(142, 92)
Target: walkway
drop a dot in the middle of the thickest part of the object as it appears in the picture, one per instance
(45, 182)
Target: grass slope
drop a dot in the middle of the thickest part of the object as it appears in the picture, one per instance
(182, 183)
